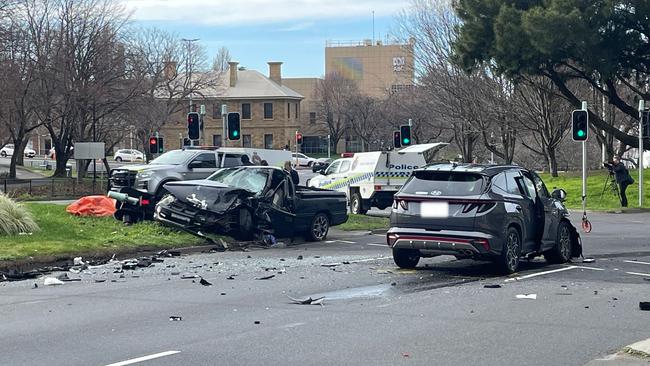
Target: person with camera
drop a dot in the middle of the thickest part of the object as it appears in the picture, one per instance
(622, 175)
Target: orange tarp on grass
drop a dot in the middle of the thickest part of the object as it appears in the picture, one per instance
(92, 206)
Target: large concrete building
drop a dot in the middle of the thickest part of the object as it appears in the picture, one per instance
(269, 110)
(378, 69)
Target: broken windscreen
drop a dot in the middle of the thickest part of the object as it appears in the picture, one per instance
(437, 183)
(250, 179)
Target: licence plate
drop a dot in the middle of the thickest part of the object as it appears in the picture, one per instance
(179, 217)
(433, 210)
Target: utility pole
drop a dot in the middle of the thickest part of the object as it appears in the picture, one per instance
(188, 70)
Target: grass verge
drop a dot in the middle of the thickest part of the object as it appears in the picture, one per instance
(364, 222)
(65, 235)
(571, 182)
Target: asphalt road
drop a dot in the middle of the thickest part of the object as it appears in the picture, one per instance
(373, 313)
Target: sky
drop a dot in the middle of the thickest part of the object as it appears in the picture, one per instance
(257, 31)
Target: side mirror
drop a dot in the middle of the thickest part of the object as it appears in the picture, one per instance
(195, 164)
(559, 194)
(322, 172)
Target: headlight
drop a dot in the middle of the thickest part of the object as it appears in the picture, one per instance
(167, 200)
(144, 175)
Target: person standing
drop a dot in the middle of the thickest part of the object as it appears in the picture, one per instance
(294, 174)
(623, 178)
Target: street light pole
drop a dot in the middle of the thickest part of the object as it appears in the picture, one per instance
(188, 70)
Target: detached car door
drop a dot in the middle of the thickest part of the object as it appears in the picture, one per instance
(552, 212)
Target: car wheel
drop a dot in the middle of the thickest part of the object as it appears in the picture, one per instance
(3, 154)
(561, 252)
(161, 192)
(511, 251)
(310, 163)
(356, 204)
(406, 258)
(118, 159)
(319, 227)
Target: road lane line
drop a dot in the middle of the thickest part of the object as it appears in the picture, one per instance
(639, 274)
(369, 259)
(637, 262)
(382, 235)
(144, 358)
(539, 274)
(378, 245)
(347, 241)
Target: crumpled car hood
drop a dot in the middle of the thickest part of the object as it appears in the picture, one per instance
(207, 194)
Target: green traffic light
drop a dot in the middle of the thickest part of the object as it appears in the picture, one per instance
(235, 133)
(581, 133)
(406, 141)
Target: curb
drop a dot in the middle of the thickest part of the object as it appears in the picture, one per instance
(636, 354)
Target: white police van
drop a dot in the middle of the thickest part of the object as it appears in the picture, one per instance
(370, 179)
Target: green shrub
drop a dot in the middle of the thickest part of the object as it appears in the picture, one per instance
(15, 218)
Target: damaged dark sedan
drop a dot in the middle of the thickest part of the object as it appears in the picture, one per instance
(248, 202)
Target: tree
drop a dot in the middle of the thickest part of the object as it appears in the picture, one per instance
(221, 61)
(332, 100)
(602, 43)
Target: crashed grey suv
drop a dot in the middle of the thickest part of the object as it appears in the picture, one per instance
(501, 213)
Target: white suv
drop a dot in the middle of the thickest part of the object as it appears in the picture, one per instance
(128, 155)
(8, 150)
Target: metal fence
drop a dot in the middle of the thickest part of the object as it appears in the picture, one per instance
(47, 188)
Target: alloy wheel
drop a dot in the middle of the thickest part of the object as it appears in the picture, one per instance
(320, 227)
(565, 242)
(512, 254)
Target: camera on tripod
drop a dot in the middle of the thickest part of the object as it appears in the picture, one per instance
(609, 165)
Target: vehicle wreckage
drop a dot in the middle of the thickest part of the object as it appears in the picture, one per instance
(245, 203)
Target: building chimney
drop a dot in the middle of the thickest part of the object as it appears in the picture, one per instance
(275, 72)
(232, 66)
(169, 70)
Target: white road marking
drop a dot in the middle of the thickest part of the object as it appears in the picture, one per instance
(539, 274)
(639, 274)
(330, 241)
(347, 241)
(382, 235)
(591, 268)
(369, 259)
(292, 325)
(144, 358)
(378, 245)
(637, 262)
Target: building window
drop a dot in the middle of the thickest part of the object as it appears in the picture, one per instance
(246, 141)
(245, 111)
(400, 88)
(288, 110)
(268, 110)
(216, 140)
(296, 110)
(216, 110)
(312, 118)
(268, 141)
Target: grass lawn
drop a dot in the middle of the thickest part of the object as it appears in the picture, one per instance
(571, 182)
(363, 222)
(64, 235)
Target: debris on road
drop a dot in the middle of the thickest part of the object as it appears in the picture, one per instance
(256, 322)
(175, 318)
(527, 296)
(265, 277)
(308, 301)
(231, 277)
(644, 305)
(51, 281)
(64, 277)
(188, 276)
(204, 282)
(329, 264)
(299, 258)
(492, 286)
(588, 260)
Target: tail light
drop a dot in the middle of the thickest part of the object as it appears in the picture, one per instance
(486, 206)
(377, 188)
(391, 239)
(483, 242)
(144, 202)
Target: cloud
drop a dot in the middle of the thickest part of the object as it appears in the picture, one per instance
(242, 12)
(296, 27)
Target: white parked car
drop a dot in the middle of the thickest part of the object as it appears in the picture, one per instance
(302, 159)
(128, 155)
(8, 150)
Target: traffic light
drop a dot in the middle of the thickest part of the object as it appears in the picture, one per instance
(234, 128)
(405, 134)
(153, 145)
(161, 145)
(397, 139)
(298, 138)
(645, 121)
(193, 125)
(580, 125)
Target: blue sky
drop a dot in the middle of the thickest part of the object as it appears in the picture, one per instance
(257, 31)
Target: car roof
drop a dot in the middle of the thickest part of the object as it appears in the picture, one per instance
(485, 169)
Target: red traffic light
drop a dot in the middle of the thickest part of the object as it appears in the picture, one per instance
(298, 138)
(153, 141)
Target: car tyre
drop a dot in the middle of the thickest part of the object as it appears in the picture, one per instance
(118, 159)
(508, 260)
(310, 163)
(406, 258)
(3, 154)
(356, 204)
(319, 227)
(561, 252)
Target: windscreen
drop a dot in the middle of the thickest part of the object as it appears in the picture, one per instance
(174, 157)
(252, 180)
(436, 183)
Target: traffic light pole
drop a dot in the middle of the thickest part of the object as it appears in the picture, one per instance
(224, 113)
(641, 108)
(584, 166)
